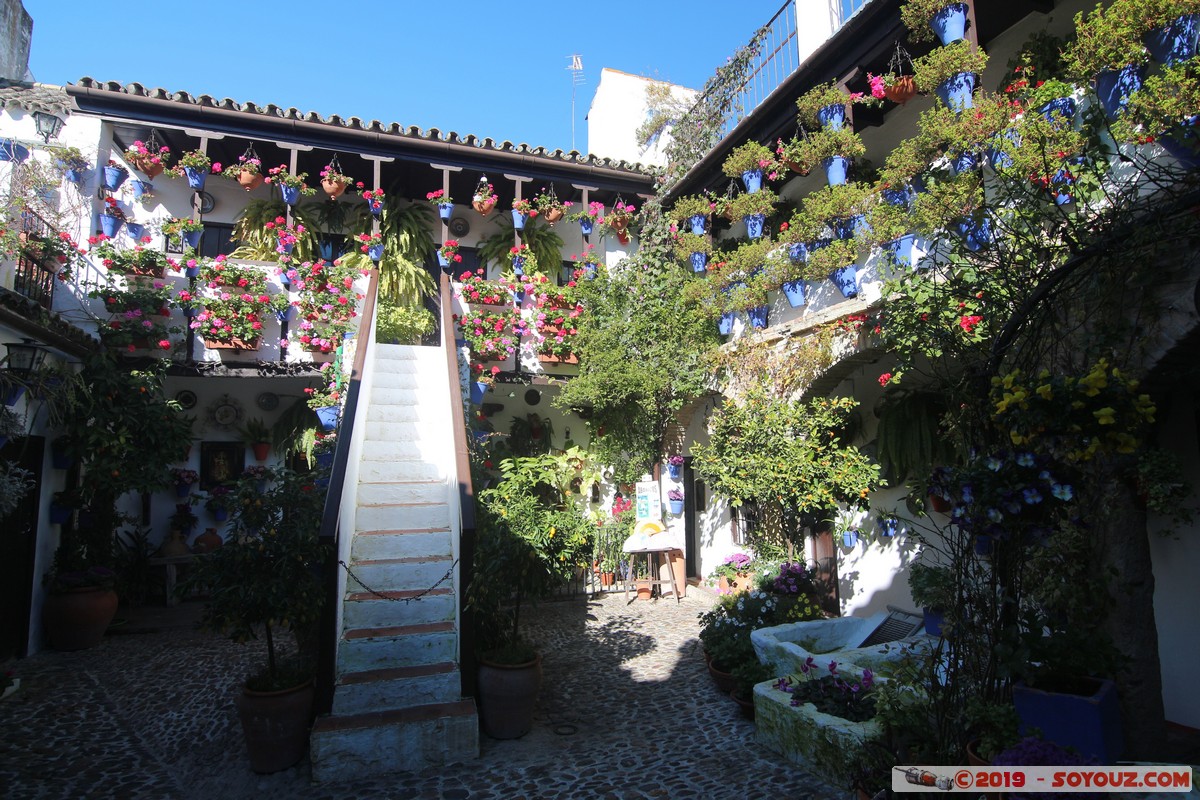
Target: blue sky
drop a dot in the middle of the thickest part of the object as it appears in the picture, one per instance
(490, 68)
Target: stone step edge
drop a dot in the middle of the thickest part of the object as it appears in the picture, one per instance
(402, 531)
(379, 719)
(383, 562)
(431, 504)
(419, 629)
(398, 595)
(396, 673)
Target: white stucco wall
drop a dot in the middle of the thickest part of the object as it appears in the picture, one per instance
(618, 108)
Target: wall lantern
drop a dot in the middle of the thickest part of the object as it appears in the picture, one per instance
(24, 356)
(48, 125)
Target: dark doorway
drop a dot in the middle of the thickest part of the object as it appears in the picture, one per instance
(692, 502)
(18, 540)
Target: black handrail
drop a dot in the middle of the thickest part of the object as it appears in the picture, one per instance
(466, 492)
(330, 532)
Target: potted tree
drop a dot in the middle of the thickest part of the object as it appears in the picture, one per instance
(263, 581)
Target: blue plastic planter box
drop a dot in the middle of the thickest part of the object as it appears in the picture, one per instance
(1090, 723)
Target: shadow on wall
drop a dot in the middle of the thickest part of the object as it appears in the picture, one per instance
(865, 587)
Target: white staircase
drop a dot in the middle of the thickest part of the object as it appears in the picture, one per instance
(397, 704)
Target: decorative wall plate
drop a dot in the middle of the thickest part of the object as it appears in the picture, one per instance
(186, 399)
(225, 412)
(267, 401)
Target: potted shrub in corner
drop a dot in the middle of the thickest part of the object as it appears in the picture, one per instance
(933, 590)
(263, 581)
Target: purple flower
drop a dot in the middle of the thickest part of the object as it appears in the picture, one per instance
(833, 665)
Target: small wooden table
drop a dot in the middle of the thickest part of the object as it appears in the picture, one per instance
(673, 581)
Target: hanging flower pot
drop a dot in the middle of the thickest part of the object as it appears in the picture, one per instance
(1174, 42)
(141, 188)
(191, 272)
(375, 252)
(832, 116)
(846, 279)
(758, 316)
(334, 188)
(110, 224)
(286, 245)
(754, 224)
(249, 180)
(328, 417)
(675, 506)
(586, 225)
(478, 391)
(964, 162)
(976, 234)
(836, 170)
(135, 230)
(287, 314)
(484, 207)
(151, 169)
(956, 91)
(794, 292)
(900, 249)
(442, 262)
(798, 252)
(699, 261)
(192, 238)
(291, 194)
(73, 174)
(1114, 86)
(675, 471)
(753, 178)
(697, 223)
(950, 24)
(850, 537)
(195, 177)
(114, 176)
(445, 210)
(725, 323)
(182, 490)
(518, 265)
(896, 197)
(518, 218)
(901, 90)
(1061, 106)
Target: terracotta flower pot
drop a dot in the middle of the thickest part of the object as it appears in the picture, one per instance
(77, 619)
(333, 188)
(261, 450)
(620, 222)
(249, 180)
(507, 693)
(149, 168)
(902, 90)
(746, 707)
(724, 680)
(553, 215)
(483, 208)
(276, 726)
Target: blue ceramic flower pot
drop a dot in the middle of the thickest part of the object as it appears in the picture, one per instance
(697, 222)
(191, 311)
(325, 250)
(328, 417)
(950, 24)
(1173, 42)
(754, 224)
(135, 230)
(758, 316)
(518, 218)
(141, 188)
(798, 253)
(850, 538)
(896, 197)
(445, 211)
(589, 271)
(675, 471)
(794, 292)
(287, 315)
(675, 506)
(1183, 148)
(964, 162)
(849, 227)
(1089, 721)
(73, 174)
(192, 272)
(935, 618)
(846, 279)
(836, 170)
(376, 208)
(375, 252)
(900, 249)
(183, 490)
(114, 177)
(290, 194)
(442, 262)
(195, 177)
(997, 157)
(11, 151)
(1114, 86)
(59, 514)
(110, 224)
(699, 261)
(752, 178)
(725, 323)
(1063, 107)
(832, 117)
(586, 226)
(478, 390)
(956, 91)
(518, 265)
(285, 248)
(192, 238)
(976, 234)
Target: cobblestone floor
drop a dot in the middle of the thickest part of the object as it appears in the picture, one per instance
(627, 711)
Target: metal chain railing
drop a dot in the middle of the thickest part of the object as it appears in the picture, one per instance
(349, 572)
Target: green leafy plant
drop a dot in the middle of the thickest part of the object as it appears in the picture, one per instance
(747, 157)
(910, 438)
(916, 16)
(746, 204)
(945, 62)
(692, 205)
(810, 150)
(817, 98)
(400, 324)
(1107, 38)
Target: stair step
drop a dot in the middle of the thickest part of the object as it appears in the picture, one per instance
(392, 471)
(402, 492)
(410, 380)
(383, 543)
(349, 747)
(398, 630)
(359, 654)
(389, 396)
(399, 574)
(379, 449)
(402, 516)
(383, 689)
(365, 610)
(406, 413)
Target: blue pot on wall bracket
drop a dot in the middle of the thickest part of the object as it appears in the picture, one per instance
(1063, 107)
(675, 471)
(794, 292)
(997, 156)
(518, 218)
(586, 226)
(846, 279)
(901, 249)
(832, 117)
(110, 224)
(284, 248)
(11, 151)
(442, 262)
(1174, 42)
(375, 252)
(192, 238)
(956, 92)
(758, 316)
(798, 252)
(950, 24)
(135, 230)
(976, 233)
(141, 188)
(851, 226)
(114, 177)
(73, 174)
(290, 194)
(697, 223)
(1183, 147)
(1114, 86)
(196, 178)
(837, 168)
(518, 265)
(850, 537)
(699, 261)
(675, 506)
(754, 224)
(445, 211)
(328, 417)
(725, 323)
(478, 390)
(753, 178)
(59, 514)
(964, 162)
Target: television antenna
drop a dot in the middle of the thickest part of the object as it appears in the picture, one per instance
(577, 78)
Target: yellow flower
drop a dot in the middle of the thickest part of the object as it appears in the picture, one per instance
(1105, 416)
(1045, 391)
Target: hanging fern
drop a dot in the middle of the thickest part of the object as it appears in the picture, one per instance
(258, 243)
(542, 240)
(408, 246)
(910, 439)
